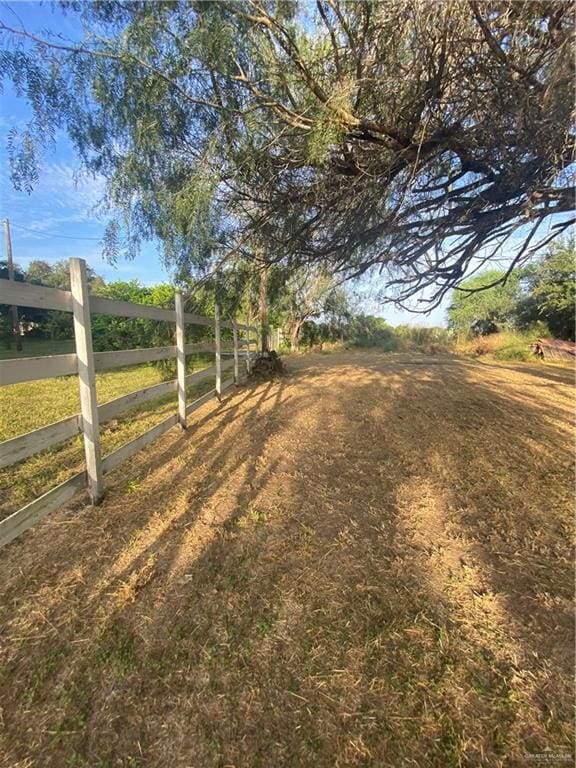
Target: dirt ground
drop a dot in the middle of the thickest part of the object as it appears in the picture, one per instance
(367, 562)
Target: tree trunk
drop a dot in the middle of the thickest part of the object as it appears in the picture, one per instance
(295, 334)
(263, 307)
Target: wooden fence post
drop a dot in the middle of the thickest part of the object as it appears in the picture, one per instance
(236, 365)
(86, 378)
(248, 349)
(181, 359)
(218, 348)
(14, 309)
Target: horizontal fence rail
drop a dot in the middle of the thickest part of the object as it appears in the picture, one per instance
(32, 513)
(23, 446)
(33, 368)
(123, 357)
(102, 306)
(85, 362)
(38, 296)
(112, 408)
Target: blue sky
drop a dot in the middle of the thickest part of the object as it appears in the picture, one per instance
(57, 220)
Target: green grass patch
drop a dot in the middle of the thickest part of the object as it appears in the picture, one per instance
(514, 352)
(34, 404)
(37, 348)
(31, 405)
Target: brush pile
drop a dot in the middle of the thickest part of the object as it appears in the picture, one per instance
(267, 365)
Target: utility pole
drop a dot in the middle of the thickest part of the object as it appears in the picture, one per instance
(15, 322)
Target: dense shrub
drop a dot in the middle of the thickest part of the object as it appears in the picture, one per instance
(507, 345)
(517, 351)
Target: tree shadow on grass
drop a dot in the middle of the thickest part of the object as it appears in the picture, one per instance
(329, 573)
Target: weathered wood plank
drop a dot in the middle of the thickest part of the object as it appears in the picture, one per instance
(102, 306)
(191, 319)
(23, 446)
(86, 378)
(25, 518)
(200, 401)
(129, 449)
(125, 402)
(123, 357)
(248, 349)
(218, 351)
(43, 297)
(181, 360)
(39, 296)
(199, 346)
(206, 373)
(236, 355)
(32, 368)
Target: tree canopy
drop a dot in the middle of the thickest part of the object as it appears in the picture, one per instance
(552, 289)
(542, 293)
(485, 311)
(407, 136)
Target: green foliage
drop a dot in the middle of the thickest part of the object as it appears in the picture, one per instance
(370, 331)
(335, 139)
(338, 310)
(540, 298)
(504, 345)
(423, 336)
(52, 324)
(554, 289)
(19, 274)
(485, 310)
(514, 351)
(306, 293)
(56, 326)
(6, 330)
(111, 333)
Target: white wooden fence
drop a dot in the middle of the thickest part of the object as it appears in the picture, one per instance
(85, 362)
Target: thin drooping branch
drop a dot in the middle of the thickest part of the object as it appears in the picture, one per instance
(397, 136)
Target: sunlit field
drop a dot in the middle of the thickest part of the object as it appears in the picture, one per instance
(366, 562)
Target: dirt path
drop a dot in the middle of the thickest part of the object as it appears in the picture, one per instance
(366, 563)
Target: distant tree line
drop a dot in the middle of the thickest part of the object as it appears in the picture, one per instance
(311, 307)
(541, 296)
(308, 305)
(109, 333)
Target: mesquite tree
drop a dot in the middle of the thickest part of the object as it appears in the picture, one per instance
(404, 135)
(304, 297)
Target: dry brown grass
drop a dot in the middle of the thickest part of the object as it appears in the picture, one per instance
(364, 563)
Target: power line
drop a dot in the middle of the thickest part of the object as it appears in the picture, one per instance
(51, 234)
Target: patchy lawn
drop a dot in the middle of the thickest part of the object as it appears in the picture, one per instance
(34, 404)
(365, 563)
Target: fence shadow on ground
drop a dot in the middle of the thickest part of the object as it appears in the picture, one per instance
(356, 564)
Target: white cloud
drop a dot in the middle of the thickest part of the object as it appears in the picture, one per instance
(65, 186)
